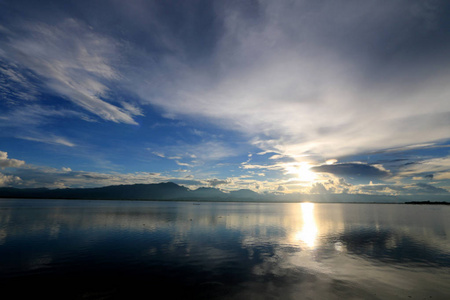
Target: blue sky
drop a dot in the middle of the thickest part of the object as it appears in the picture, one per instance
(273, 96)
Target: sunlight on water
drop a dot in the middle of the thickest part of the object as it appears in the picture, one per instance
(224, 250)
(309, 232)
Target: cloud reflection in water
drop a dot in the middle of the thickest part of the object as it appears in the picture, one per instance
(230, 250)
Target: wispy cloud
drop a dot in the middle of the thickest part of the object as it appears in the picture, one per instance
(52, 139)
(436, 168)
(189, 154)
(16, 85)
(73, 61)
(183, 164)
(159, 154)
(32, 115)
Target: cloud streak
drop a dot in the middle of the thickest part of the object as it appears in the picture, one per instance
(435, 168)
(72, 61)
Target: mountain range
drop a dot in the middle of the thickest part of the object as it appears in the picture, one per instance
(173, 191)
(157, 191)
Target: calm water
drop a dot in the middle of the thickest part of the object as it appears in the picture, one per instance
(68, 249)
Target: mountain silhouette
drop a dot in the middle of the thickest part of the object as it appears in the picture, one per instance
(159, 191)
(173, 191)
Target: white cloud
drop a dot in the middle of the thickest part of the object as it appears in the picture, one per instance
(6, 180)
(331, 161)
(6, 162)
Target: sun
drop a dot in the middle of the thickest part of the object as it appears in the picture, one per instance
(302, 171)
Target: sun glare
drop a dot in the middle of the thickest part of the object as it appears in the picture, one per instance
(302, 171)
(309, 232)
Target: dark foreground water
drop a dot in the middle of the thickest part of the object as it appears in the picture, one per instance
(65, 249)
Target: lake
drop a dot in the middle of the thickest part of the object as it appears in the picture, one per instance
(79, 249)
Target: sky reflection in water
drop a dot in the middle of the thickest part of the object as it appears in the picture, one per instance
(113, 249)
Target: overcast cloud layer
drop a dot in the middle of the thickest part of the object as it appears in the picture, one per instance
(216, 90)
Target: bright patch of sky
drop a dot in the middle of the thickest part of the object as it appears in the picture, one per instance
(274, 96)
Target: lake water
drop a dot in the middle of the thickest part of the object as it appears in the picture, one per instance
(70, 249)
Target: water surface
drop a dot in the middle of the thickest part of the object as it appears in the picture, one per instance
(78, 249)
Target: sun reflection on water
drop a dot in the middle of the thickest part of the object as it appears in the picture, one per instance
(309, 231)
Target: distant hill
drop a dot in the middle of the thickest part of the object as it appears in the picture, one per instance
(205, 193)
(173, 191)
(245, 194)
(428, 202)
(159, 191)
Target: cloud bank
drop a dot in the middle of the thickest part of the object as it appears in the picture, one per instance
(353, 169)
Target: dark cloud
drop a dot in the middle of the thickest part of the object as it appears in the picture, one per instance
(281, 188)
(35, 177)
(429, 189)
(319, 188)
(186, 182)
(352, 170)
(343, 182)
(415, 189)
(215, 182)
(92, 176)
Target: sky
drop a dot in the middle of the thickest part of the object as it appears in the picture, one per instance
(311, 97)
